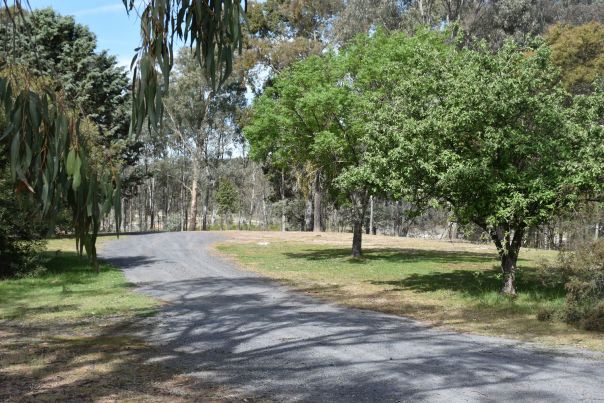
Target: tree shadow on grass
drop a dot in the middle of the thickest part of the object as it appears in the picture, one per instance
(475, 283)
(89, 361)
(394, 255)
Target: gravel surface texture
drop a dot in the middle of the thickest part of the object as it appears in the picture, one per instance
(237, 328)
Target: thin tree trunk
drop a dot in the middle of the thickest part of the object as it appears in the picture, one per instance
(283, 201)
(317, 205)
(308, 216)
(206, 199)
(357, 238)
(193, 206)
(152, 202)
(264, 214)
(371, 228)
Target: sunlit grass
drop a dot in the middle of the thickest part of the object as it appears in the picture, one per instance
(70, 289)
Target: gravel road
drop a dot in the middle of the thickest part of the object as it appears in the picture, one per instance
(242, 330)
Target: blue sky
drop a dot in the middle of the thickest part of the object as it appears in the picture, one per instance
(115, 30)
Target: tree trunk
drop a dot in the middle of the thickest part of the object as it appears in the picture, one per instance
(371, 227)
(508, 246)
(193, 206)
(282, 189)
(357, 237)
(206, 199)
(308, 215)
(317, 201)
(252, 201)
(508, 268)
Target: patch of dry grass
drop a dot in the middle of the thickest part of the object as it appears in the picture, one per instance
(446, 284)
(96, 361)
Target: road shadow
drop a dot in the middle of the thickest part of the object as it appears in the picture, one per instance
(235, 328)
(242, 332)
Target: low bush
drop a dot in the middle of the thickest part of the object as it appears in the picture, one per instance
(20, 241)
(583, 272)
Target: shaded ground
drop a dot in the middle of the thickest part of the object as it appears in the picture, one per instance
(235, 328)
(90, 361)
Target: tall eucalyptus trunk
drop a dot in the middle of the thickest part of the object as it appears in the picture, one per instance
(283, 201)
(193, 204)
(206, 199)
(317, 203)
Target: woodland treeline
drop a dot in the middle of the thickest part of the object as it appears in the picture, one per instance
(205, 146)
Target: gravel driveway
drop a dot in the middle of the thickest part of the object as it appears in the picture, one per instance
(237, 328)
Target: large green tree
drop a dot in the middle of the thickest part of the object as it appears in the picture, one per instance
(304, 123)
(496, 137)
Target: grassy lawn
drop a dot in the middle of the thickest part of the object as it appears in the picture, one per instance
(69, 335)
(69, 290)
(445, 284)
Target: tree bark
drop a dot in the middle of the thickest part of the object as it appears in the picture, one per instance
(193, 206)
(317, 201)
(282, 189)
(508, 245)
(308, 216)
(508, 268)
(371, 227)
(206, 199)
(357, 238)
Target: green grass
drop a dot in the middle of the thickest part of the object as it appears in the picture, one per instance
(468, 277)
(69, 289)
(457, 289)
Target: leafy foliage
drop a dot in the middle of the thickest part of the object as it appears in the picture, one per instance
(211, 28)
(50, 143)
(20, 243)
(579, 52)
(226, 198)
(493, 135)
(50, 137)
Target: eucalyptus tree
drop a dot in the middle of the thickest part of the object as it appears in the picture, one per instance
(48, 155)
(203, 120)
(496, 137)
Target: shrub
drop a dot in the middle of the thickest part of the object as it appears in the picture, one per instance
(20, 242)
(585, 285)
